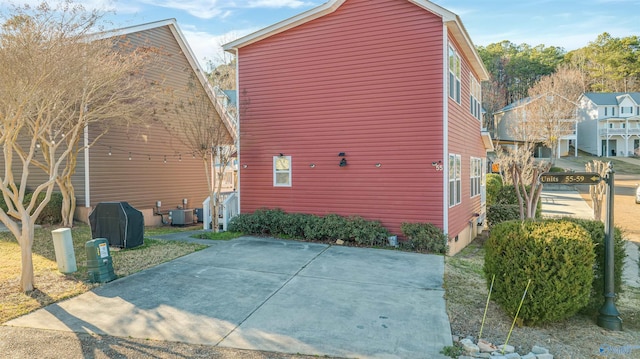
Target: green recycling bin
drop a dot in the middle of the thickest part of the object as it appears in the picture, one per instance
(99, 261)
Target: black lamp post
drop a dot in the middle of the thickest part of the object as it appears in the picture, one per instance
(609, 317)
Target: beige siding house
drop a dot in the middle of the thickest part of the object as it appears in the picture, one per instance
(148, 164)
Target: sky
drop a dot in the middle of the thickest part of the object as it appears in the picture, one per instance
(206, 24)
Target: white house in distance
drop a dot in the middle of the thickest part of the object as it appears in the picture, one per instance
(511, 130)
(609, 123)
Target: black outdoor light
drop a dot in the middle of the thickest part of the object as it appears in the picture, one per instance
(343, 161)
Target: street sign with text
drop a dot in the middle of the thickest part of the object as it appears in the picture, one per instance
(570, 178)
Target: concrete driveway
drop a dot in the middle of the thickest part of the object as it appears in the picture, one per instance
(273, 295)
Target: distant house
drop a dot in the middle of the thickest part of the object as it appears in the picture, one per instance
(610, 124)
(510, 124)
(147, 165)
(367, 108)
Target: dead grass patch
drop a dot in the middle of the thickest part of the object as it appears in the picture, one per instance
(578, 337)
(52, 286)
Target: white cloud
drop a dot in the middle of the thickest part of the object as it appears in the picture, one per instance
(203, 9)
(276, 3)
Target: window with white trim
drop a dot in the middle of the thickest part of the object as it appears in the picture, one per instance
(282, 171)
(455, 179)
(454, 74)
(476, 176)
(475, 97)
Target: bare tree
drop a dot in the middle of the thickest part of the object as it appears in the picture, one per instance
(207, 131)
(551, 113)
(53, 84)
(522, 170)
(597, 191)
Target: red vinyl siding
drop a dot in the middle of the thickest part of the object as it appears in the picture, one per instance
(461, 124)
(365, 80)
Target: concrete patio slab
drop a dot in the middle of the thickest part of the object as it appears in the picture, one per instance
(273, 295)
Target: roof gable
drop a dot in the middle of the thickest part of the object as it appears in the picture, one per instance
(172, 25)
(451, 20)
(611, 98)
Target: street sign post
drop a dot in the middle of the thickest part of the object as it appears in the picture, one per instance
(609, 317)
(570, 178)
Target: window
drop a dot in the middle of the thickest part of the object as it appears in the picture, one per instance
(638, 110)
(455, 185)
(282, 171)
(613, 111)
(476, 175)
(621, 109)
(605, 111)
(475, 97)
(454, 75)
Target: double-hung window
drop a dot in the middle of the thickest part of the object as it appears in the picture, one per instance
(475, 97)
(476, 175)
(454, 74)
(282, 171)
(455, 179)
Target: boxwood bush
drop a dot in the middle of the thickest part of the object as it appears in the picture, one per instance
(557, 256)
(424, 237)
(276, 222)
(596, 231)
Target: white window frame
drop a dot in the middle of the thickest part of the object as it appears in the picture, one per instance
(475, 97)
(454, 74)
(476, 176)
(455, 179)
(277, 171)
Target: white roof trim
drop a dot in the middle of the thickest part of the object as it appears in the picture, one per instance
(448, 17)
(311, 14)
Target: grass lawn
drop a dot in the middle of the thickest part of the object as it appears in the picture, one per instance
(577, 337)
(621, 167)
(52, 286)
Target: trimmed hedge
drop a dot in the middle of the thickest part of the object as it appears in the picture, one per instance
(596, 230)
(276, 222)
(494, 184)
(506, 207)
(424, 237)
(52, 212)
(499, 213)
(557, 256)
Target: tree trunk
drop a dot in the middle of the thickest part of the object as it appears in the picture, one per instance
(26, 244)
(68, 201)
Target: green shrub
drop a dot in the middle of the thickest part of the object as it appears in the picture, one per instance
(494, 184)
(557, 169)
(52, 212)
(277, 223)
(507, 195)
(366, 232)
(596, 230)
(422, 237)
(558, 258)
(499, 213)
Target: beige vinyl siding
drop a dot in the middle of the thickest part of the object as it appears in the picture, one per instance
(146, 178)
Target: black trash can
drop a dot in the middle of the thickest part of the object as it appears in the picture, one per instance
(118, 222)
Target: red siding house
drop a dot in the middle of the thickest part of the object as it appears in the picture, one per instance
(367, 108)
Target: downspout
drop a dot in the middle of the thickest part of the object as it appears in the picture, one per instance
(445, 130)
(87, 182)
(238, 112)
